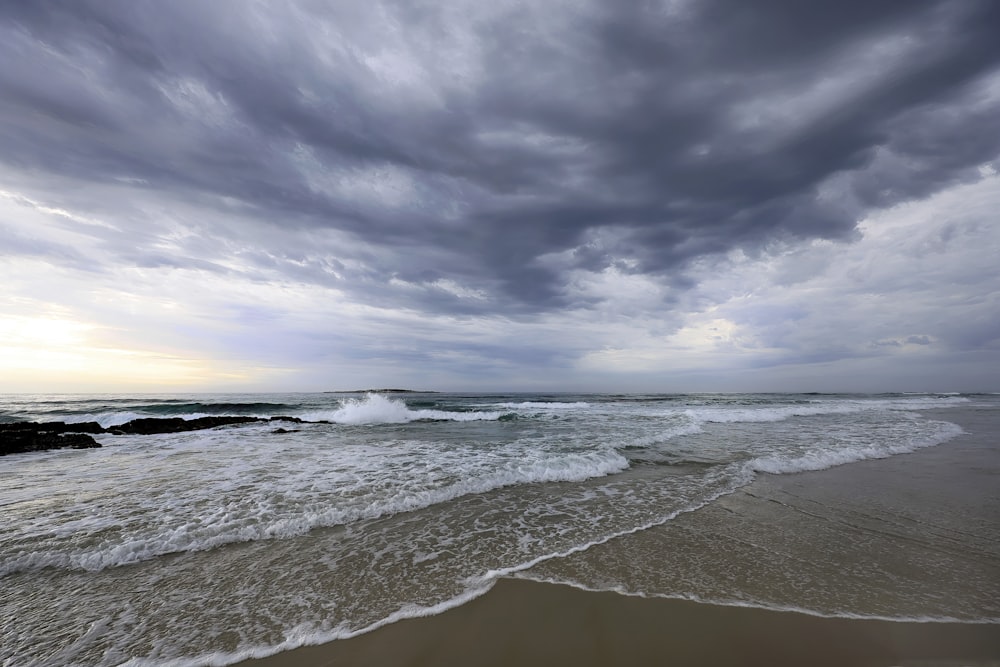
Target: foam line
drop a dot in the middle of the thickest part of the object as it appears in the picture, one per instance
(726, 602)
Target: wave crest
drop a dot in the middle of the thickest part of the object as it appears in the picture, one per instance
(377, 409)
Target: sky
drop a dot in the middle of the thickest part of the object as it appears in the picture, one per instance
(673, 195)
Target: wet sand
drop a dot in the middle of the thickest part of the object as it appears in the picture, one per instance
(522, 622)
(529, 623)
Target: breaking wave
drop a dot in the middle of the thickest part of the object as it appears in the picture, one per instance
(377, 409)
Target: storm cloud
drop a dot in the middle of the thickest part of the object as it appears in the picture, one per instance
(486, 167)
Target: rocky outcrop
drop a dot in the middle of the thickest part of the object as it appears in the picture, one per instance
(151, 425)
(53, 427)
(39, 436)
(35, 436)
(32, 437)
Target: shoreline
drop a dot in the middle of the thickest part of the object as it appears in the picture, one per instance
(533, 622)
(527, 622)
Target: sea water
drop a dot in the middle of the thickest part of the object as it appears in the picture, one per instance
(215, 545)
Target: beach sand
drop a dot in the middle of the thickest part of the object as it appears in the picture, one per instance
(528, 623)
(520, 622)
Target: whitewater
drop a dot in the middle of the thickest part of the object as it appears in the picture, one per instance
(210, 546)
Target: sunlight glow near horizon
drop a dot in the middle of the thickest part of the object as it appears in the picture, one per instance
(37, 353)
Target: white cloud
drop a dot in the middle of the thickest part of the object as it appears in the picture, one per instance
(900, 306)
(896, 306)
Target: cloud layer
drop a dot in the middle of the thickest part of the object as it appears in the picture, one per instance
(501, 194)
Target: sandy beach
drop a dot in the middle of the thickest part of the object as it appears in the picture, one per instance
(529, 623)
(534, 623)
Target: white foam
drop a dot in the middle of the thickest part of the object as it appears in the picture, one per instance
(737, 480)
(256, 518)
(307, 636)
(372, 409)
(377, 409)
(729, 602)
(105, 419)
(474, 587)
(821, 459)
(665, 435)
(730, 415)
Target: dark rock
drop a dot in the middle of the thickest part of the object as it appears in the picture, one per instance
(285, 430)
(39, 436)
(79, 441)
(30, 438)
(151, 425)
(85, 427)
(53, 427)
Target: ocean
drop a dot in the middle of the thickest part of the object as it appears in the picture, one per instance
(212, 546)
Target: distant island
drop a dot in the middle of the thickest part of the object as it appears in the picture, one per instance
(383, 391)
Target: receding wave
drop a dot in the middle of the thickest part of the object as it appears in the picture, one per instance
(748, 604)
(299, 637)
(821, 459)
(254, 520)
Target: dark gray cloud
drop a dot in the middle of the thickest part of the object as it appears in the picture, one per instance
(499, 147)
